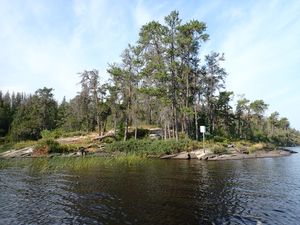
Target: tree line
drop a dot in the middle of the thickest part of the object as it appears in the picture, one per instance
(161, 80)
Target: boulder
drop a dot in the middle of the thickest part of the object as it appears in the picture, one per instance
(24, 152)
(183, 155)
(201, 154)
(168, 156)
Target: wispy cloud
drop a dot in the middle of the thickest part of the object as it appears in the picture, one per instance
(45, 43)
(141, 14)
(261, 52)
(33, 54)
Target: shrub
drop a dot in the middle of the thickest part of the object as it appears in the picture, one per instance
(257, 147)
(218, 149)
(145, 146)
(57, 133)
(49, 146)
(24, 144)
(52, 146)
(47, 134)
(65, 148)
(73, 133)
(219, 139)
(142, 133)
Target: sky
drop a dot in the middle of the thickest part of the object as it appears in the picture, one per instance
(46, 43)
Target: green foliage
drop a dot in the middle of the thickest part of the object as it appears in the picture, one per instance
(120, 131)
(257, 147)
(142, 133)
(50, 145)
(57, 133)
(24, 144)
(160, 81)
(156, 147)
(46, 165)
(68, 148)
(220, 139)
(19, 145)
(219, 149)
(7, 146)
(37, 113)
(46, 134)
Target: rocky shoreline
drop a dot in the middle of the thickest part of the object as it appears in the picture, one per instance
(200, 154)
(210, 156)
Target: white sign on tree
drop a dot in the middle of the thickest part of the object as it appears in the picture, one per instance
(202, 129)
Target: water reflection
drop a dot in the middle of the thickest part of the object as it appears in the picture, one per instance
(264, 191)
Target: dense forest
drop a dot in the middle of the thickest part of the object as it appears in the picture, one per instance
(162, 81)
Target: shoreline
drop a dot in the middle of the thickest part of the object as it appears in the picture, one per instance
(200, 154)
(259, 154)
(207, 155)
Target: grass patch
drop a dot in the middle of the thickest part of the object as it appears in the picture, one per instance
(48, 146)
(24, 144)
(5, 147)
(152, 147)
(47, 165)
(57, 133)
(19, 145)
(218, 149)
(261, 146)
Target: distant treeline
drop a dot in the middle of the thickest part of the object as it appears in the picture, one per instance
(160, 81)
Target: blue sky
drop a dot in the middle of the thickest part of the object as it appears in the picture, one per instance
(46, 43)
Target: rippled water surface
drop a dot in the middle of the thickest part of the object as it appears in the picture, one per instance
(254, 191)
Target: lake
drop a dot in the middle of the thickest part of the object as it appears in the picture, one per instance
(253, 191)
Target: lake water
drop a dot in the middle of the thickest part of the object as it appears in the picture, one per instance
(254, 191)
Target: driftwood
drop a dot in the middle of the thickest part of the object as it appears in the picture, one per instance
(100, 138)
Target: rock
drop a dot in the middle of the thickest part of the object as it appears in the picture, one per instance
(168, 156)
(24, 152)
(193, 155)
(183, 155)
(152, 156)
(200, 153)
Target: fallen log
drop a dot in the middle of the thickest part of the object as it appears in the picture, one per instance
(100, 138)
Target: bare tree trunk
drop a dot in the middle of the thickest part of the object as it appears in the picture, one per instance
(196, 124)
(115, 123)
(126, 129)
(135, 132)
(98, 125)
(104, 126)
(176, 123)
(165, 131)
(182, 125)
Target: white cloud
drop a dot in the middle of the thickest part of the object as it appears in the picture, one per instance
(261, 52)
(259, 39)
(53, 60)
(141, 14)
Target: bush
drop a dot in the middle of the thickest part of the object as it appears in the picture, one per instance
(142, 133)
(52, 146)
(73, 133)
(66, 148)
(218, 149)
(219, 139)
(57, 133)
(261, 146)
(146, 147)
(46, 134)
(24, 144)
(49, 146)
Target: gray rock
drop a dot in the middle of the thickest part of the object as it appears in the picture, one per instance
(168, 156)
(182, 155)
(24, 152)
